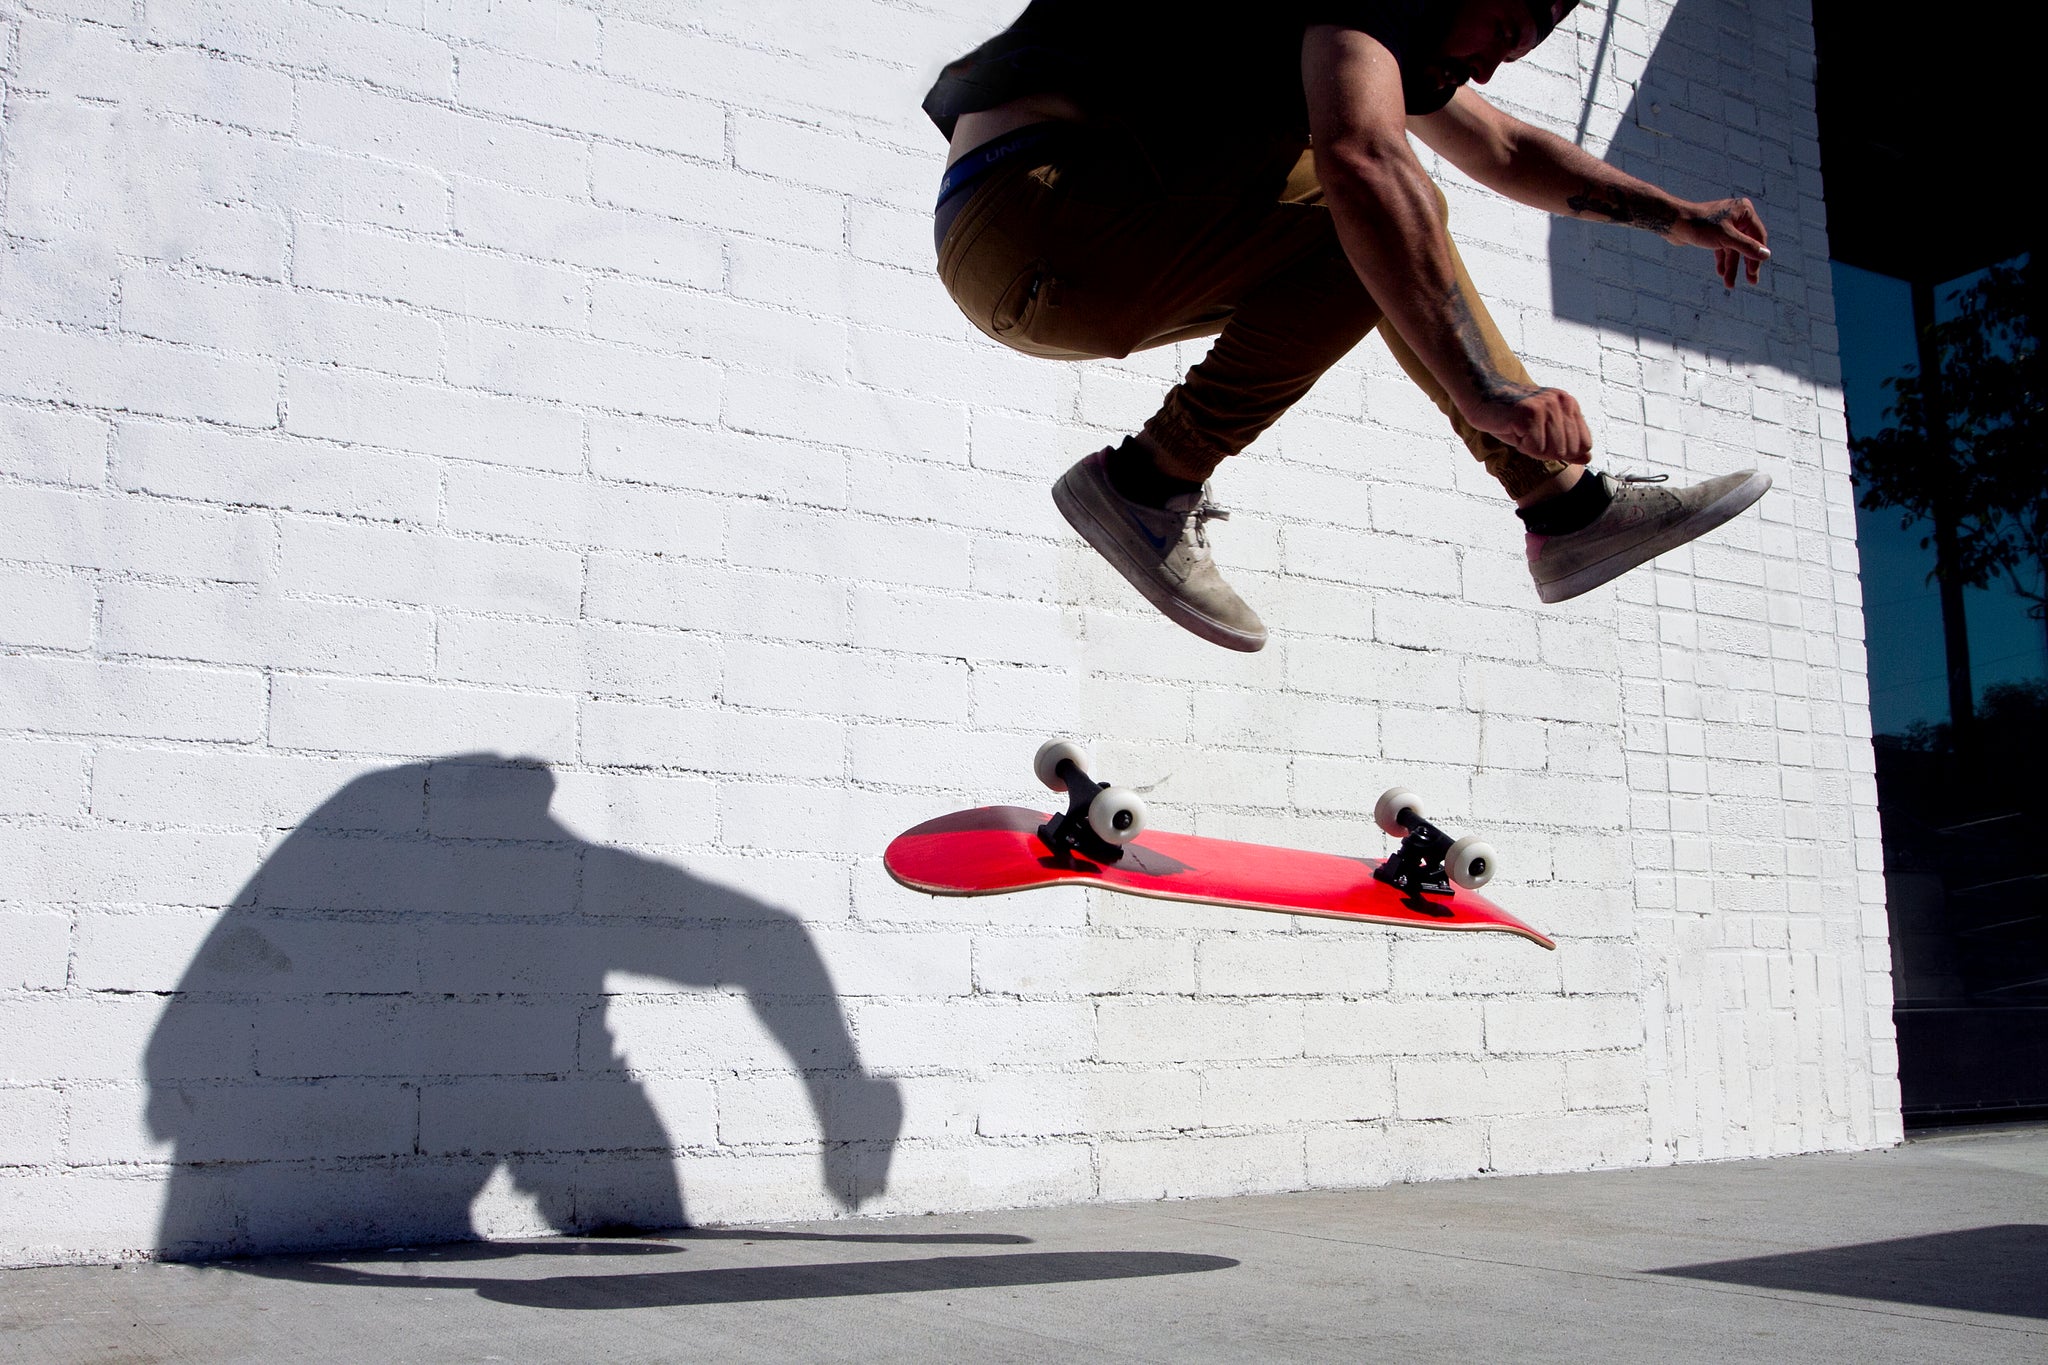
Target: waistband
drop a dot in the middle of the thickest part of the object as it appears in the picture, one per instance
(964, 174)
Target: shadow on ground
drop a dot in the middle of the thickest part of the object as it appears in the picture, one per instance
(409, 998)
(2001, 1269)
(731, 1284)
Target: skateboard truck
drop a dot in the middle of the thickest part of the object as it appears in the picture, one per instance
(1428, 860)
(1099, 819)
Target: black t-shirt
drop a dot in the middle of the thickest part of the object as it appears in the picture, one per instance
(1220, 64)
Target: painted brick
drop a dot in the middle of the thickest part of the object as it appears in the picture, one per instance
(379, 563)
(234, 624)
(972, 1033)
(1300, 1092)
(569, 369)
(67, 696)
(575, 511)
(347, 715)
(303, 35)
(715, 461)
(213, 464)
(1458, 1088)
(31, 1125)
(52, 445)
(1094, 965)
(1089, 1101)
(106, 371)
(432, 420)
(368, 122)
(715, 196)
(1369, 1154)
(1392, 1028)
(663, 592)
(789, 677)
(589, 103)
(36, 950)
(430, 274)
(1140, 1030)
(46, 610)
(1199, 1166)
(1291, 964)
(587, 236)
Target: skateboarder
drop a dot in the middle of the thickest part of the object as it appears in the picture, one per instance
(1129, 173)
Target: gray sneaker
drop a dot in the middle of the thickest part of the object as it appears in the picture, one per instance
(1164, 552)
(1641, 523)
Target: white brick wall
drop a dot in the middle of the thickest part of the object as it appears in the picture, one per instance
(381, 385)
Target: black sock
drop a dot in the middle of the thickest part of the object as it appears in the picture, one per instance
(1569, 511)
(1132, 473)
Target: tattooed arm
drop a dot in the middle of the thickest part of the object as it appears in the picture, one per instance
(1389, 217)
(1544, 171)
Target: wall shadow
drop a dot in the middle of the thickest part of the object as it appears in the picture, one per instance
(619, 1287)
(1976, 1270)
(408, 998)
(1715, 112)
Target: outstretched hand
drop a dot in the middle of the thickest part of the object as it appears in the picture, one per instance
(1544, 424)
(1733, 230)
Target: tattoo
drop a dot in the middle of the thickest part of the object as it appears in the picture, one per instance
(1625, 207)
(1481, 363)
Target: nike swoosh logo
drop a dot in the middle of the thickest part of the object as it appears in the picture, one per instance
(1158, 543)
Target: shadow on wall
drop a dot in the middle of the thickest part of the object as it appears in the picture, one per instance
(1724, 97)
(409, 996)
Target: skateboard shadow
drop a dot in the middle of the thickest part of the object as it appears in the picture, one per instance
(408, 1001)
(1995, 1269)
(666, 1288)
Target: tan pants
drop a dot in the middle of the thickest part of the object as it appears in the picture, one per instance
(1092, 247)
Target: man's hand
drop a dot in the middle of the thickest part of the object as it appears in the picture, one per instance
(1544, 424)
(1731, 229)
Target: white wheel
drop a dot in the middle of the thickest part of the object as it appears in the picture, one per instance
(1047, 763)
(1470, 862)
(1386, 813)
(1117, 814)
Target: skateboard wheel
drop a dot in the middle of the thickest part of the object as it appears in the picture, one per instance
(1470, 863)
(1047, 763)
(1117, 814)
(1386, 813)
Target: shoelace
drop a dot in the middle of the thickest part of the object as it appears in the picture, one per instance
(1205, 514)
(1645, 478)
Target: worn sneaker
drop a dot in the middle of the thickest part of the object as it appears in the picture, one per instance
(1642, 522)
(1164, 552)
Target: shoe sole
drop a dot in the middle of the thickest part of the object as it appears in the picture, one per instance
(1719, 512)
(1175, 609)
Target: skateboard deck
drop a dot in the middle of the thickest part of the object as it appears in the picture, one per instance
(997, 849)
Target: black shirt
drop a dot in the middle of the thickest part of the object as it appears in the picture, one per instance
(1208, 65)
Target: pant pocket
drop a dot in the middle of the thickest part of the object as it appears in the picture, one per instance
(1017, 305)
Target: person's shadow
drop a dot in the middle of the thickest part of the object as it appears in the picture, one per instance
(410, 995)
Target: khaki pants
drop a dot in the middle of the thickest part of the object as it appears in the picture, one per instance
(1093, 247)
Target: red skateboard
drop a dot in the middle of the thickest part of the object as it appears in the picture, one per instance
(1430, 883)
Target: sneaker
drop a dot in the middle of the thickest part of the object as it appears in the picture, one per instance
(1163, 551)
(1642, 522)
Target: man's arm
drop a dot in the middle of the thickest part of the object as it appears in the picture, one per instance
(1387, 218)
(1544, 171)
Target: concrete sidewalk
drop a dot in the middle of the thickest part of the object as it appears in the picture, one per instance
(1934, 1250)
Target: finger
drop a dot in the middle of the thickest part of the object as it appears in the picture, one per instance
(1755, 269)
(1753, 223)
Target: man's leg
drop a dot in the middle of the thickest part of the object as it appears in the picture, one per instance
(1102, 254)
(1584, 528)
